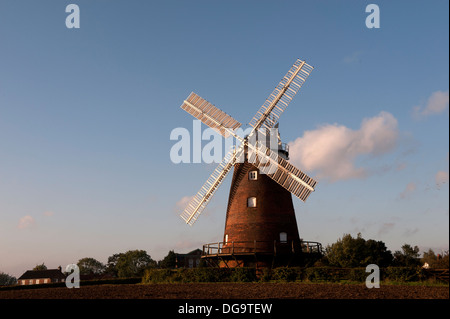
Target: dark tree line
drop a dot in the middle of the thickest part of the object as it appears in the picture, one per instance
(345, 252)
(129, 264)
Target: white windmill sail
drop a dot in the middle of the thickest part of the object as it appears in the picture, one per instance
(209, 114)
(201, 199)
(269, 113)
(268, 162)
(281, 171)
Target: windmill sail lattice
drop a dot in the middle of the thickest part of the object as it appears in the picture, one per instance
(269, 113)
(267, 161)
(287, 175)
(201, 199)
(209, 114)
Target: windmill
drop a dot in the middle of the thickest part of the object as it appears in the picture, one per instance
(260, 216)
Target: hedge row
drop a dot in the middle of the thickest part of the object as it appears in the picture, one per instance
(395, 274)
(112, 281)
(200, 275)
(284, 274)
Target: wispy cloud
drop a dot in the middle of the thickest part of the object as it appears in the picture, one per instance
(182, 203)
(26, 222)
(331, 150)
(409, 232)
(353, 58)
(410, 189)
(441, 178)
(386, 228)
(437, 103)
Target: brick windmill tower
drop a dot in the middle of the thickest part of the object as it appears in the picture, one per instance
(261, 228)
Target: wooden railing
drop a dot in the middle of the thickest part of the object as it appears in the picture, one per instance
(440, 274)
(260, 247)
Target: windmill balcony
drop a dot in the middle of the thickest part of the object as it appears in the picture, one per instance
(259, 247)
(283, 147)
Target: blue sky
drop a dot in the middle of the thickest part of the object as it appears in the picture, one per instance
(86, 116)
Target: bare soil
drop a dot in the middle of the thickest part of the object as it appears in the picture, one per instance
(232, 291)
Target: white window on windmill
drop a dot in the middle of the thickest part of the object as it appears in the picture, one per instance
(253, 175)
(283, 237)
(251, 202)
(226, 238)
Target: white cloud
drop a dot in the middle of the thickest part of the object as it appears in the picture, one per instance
(26, 222)
(48, 213)
(182, 203)
(331, 150)
(436, 104)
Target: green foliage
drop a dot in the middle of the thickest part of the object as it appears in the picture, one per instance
(243, 275)
(40, 267)
(357, 274)
(199, 275)
(408, 257)
(6, 280)
(266, 275)
(321, 274)
(287, 274)
(206, 275)
(152, 276)
(89, 266)
(439, 261)
(112, 263)
(133, 263)
(169, 261)
(281, 274)
(403, 274)
(357, 252)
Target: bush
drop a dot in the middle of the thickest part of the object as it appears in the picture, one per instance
(287, 274)
(358, 274)
(266, 275)
(243, 275)
(403, 274)
(282, 274)
(157, 276)
(320, 274)
(187, 275)
(206, 275)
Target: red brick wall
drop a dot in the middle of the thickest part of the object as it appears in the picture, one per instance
(273, 214)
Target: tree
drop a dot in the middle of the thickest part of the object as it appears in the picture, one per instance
(40, 267)
(6, 279)
(357, 252)
(133, 263)
(170, 261)
(378, 253)
(90, 266)
(439, 261)
(112, 263)
(408, 257)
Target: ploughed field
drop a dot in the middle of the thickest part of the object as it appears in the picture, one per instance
(231, 291)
